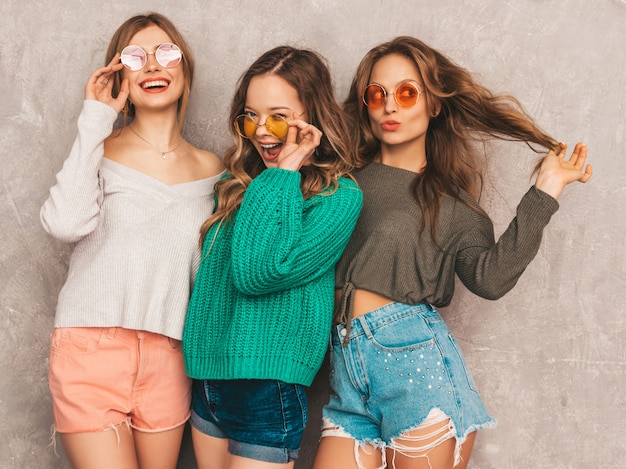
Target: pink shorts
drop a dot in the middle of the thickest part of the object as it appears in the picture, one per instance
(102, 376)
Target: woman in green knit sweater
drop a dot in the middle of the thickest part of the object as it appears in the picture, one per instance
(261, 310)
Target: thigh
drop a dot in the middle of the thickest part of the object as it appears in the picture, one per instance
(211, 452)
(466, 450)
(430, 447)
(105, 449)
(427, 447)
(158, 449)
(238, 462)
(336, 452)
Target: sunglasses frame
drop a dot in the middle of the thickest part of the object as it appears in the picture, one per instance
(247, 117)
(395, 96)
(155, 53)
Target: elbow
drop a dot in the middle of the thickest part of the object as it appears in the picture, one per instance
(494, 292)
(246, 283)
(62, 229)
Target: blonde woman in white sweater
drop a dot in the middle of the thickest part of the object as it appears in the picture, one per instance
(132, 200)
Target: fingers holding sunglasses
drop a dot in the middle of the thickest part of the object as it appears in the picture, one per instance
(302, 140)
(100, 85)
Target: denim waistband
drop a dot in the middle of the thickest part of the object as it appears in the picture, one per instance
(362, 325)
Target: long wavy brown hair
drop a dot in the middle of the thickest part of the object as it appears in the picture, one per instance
(307, 72)
(121, 39)
(468, 112)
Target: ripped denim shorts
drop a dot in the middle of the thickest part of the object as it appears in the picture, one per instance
(400, 363)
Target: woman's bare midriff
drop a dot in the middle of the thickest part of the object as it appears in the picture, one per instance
(364, 301)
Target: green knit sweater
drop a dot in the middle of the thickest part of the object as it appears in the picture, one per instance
(262, 303)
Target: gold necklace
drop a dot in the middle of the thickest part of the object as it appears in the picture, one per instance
(162, 153)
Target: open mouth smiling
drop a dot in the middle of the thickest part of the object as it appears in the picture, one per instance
(155, 84)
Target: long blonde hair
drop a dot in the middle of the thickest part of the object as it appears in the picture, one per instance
(468, 112)
(307, 73)
(121, 39)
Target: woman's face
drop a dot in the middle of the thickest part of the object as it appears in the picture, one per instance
(269, 95)
(391, 123)
(154, 86)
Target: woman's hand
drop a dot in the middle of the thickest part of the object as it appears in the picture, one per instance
(302, 140)
(556, 172)
(100, 85)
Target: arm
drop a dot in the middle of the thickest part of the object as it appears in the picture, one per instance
(555, 172)
(491, 270)
(72, 208)
(280, 241)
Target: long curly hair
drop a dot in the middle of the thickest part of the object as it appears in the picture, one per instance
(121, 39)
(469, 112)
(307, 72)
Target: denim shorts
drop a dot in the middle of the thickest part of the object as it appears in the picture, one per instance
(400, 362)
(262, 419)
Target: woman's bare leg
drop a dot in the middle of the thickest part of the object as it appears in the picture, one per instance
(158, 450)
(466, 450)
(429, 448)
(237, 462)
(336, 452)
(113, 447)
(211, 452)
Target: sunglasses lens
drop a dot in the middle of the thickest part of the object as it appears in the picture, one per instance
(133, 58)
(407, 94)
(277, 126)
(168, 55)
(245, 126)
(374, 96)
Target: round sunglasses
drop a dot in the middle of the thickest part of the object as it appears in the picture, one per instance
(406, 95)
(246, 125)
(134, 58)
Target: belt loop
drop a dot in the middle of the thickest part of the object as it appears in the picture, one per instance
(365, 326)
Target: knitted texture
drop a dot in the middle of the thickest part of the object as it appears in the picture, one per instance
(388, 255)
(136, 237)
(263, 299)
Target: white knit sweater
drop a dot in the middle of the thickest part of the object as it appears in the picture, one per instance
(137, 238)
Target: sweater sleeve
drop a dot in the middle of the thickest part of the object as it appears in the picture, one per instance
(489, 269)
(72, 208)
(281, 241)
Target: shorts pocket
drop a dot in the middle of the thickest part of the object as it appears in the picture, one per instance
(70, 340)
(406, 333)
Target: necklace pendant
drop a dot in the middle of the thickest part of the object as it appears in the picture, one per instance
(163, 154)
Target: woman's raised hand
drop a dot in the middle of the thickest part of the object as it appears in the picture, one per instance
(100, 85)
(556, 172)
(302, 140)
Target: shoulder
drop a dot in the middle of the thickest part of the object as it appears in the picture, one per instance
(207, 162)
(347, 182)
(344, 194)
(465, 212)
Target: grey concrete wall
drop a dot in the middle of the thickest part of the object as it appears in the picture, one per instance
(549, 358)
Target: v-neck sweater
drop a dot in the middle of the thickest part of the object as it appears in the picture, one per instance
(136, 238)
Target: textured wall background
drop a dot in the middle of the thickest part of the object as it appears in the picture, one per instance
(549, 358)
